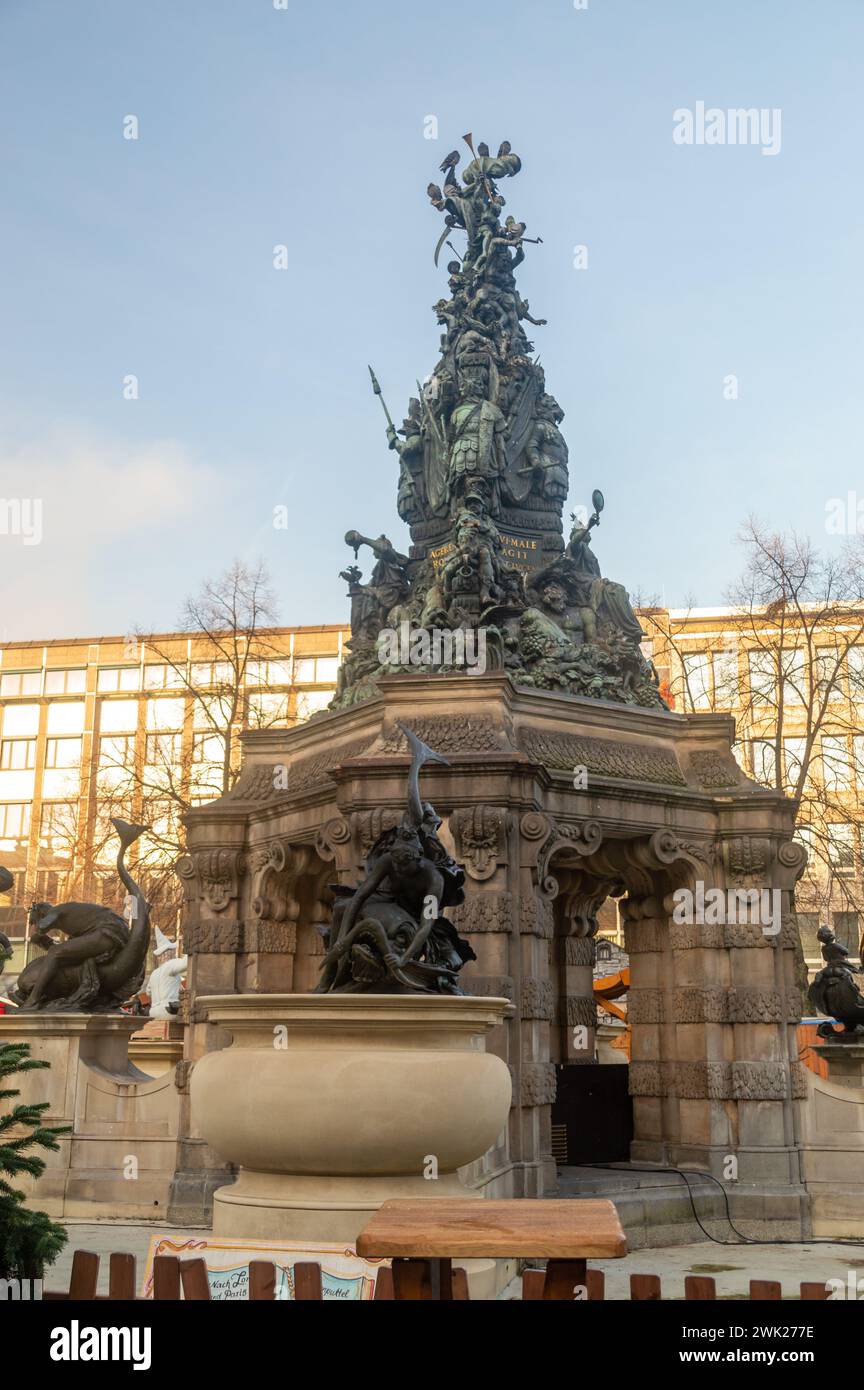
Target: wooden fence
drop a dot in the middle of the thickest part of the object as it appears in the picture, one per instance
(410, 1280)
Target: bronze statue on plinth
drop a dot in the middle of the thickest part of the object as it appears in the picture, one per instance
(834, 991)
(388, 936)
(101, 962)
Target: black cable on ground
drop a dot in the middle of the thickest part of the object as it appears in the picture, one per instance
(698, 1173)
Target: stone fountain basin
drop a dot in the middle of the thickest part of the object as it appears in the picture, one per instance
(357, 1085)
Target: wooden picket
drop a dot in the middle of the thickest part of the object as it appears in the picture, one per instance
(647, 1288)
(410, 1280)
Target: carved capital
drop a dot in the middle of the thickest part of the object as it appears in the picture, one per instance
(211, 876)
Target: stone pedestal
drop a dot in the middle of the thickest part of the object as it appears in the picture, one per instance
(832, 1130)
(552, 803)
(118, 1160)
(332, 1104)
(845, 1062)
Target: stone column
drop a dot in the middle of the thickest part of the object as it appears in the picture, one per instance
(212, 937)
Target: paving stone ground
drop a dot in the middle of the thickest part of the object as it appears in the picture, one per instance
(731, 1266)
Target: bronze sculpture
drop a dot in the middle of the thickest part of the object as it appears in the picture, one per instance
(101, 962)
(483, 478)
(834, 991)
(389, 935)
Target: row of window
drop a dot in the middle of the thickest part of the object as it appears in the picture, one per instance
(115, 750)
(837, 843)
(19, 754)
(712, 678)
(303, 670)
(265, 709)
(841, 763)
(59, 820)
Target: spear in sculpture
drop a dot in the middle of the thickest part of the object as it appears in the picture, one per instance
(430, 418)
(376, 387)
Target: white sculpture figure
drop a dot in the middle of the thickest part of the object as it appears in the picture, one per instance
(164, 983)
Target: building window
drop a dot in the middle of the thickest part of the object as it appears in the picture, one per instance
(269, 673)
(165, 716)
(63, 752)
(326, 670)
(65, 717)
(310, 702)
(841, 846)
(725, 670)
(808, 925)
(118, 716)
(163, 676)
(806, 836)
(16, 754)
(794, 753)
(794, 668)
(212, 673)
(163, 749)
(20, 721)
(112, 679)
(267, 710)
(764, 762)
(14, 683)
(855, 668)
(845, 927)
(66, 682)
(14, 821)
(836, 768)
(828, 669)
(208, 748)
(57, 827)
(211, 712)
(321, 670)
(117, 750)
(763, 676)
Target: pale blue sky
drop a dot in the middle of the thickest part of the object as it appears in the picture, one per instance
(306, 126)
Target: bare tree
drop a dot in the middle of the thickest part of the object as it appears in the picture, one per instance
(228, 626)
(794, 678)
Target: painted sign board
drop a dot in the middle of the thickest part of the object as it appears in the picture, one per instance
(345, 1277)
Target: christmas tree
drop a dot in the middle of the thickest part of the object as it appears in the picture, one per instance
(29, 1240)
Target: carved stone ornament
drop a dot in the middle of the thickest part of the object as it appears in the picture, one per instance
(486, 912)
(218, 872)
(480, 836)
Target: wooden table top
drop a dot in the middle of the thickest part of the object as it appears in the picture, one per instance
(435, 1227)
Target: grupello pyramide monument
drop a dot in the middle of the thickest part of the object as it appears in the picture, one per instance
(483, 480)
